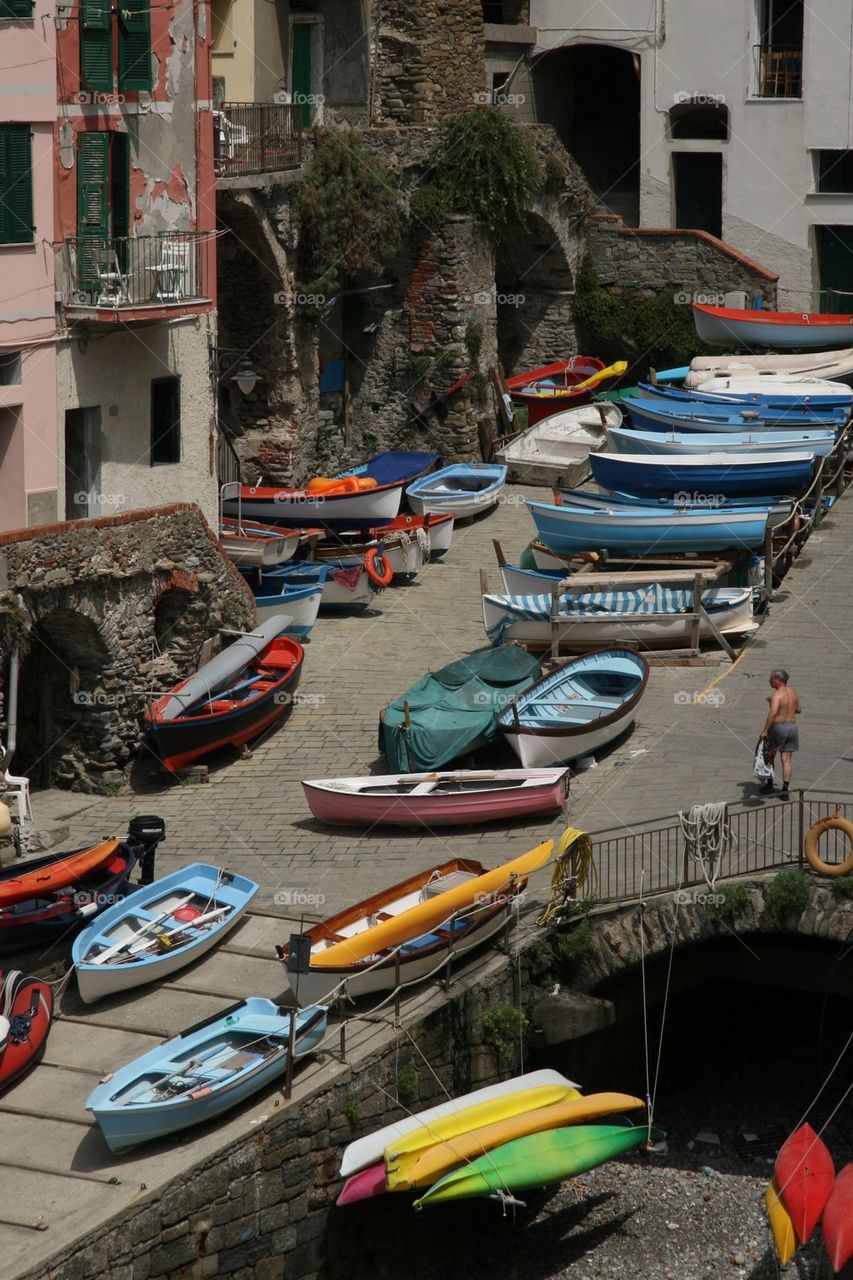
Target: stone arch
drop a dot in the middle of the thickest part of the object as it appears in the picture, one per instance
(590, 93)
(534, 295)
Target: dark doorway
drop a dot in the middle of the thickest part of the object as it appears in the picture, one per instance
(699, 190)
(82, 462)
(835, 264)
(591, 95)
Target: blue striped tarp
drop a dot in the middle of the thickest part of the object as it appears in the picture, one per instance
(653, 599)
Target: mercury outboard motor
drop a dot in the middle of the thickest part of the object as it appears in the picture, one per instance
(147, 831)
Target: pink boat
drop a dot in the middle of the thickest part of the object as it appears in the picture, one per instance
(437, 799)
(361, 1186)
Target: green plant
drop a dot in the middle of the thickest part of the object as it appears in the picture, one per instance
(479, 389)
(555, 172)
(734, 900)
(483, 166)
(503, 1025)
(575, 945)
(787, 895)
(416, 365)
(474, 342)
(369, 442)
(348, 214)
(842, 887)
(407, 1082)
(352, 1109)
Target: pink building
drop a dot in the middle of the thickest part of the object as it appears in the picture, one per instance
(28, 452)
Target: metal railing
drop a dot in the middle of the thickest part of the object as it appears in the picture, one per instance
(132, 271)
(778, 71)
(654, 858)
(256, 137)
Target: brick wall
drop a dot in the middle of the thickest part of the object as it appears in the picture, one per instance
(429, 60)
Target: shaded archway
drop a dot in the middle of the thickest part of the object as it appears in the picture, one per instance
(181, 626)
(591, 95)
(534, 293)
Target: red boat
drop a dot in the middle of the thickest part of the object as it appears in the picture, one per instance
(26, 1012)
(48, 875)
(551, 389)
(804, 1174)
(837, 1225)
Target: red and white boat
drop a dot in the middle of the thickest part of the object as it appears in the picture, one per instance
(26, 1012)
(438, 526)
(464, 797)
(780, 330)
(558, 386)
(348, 503)
(259, 545)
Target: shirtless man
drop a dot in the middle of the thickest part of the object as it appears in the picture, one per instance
(780, 728)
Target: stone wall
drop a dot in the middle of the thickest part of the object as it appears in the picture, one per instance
(119, 609)
(428, 60)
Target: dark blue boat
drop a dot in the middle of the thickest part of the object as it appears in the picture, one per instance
(393, 466)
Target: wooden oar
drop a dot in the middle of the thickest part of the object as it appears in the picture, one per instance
(126, 942)
(181, 928)
(612, 371)
(486, 775)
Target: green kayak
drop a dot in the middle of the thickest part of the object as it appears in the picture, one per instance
(538, 1159)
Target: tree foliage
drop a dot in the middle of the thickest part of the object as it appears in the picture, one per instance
(644, 329)
(349, 215)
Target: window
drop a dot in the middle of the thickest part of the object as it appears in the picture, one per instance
(105, 33)
(165, 421)
(703, 118)
(16, 8)
(16, 184)
(103, 205)
(10, 368)
(835, 171)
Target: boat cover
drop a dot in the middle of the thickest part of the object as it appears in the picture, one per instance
(228, 664)
(394, 465)
(453, 710)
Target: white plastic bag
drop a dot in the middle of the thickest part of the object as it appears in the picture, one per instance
(762, 768)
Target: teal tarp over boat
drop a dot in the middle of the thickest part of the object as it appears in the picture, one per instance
(453, 710)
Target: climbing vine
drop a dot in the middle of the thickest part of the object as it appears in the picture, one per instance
(503, 1024)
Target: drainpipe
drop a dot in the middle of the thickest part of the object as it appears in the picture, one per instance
(12, 702)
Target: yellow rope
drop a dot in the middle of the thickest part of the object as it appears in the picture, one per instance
(573, 860)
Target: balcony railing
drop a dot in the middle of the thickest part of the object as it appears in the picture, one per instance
(257, 137)
(134, 271)
(778, 71)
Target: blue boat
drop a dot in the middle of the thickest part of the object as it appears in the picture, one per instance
(202, 1072)
(297, 595)
(343, 585)
(774, 399)
(665, 415)
(632, 440)
(465, 488)
(608, 500)
(647, 530)
(159, 929)
(738, 474)
(393, 466)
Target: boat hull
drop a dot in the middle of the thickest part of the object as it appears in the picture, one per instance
(648, 532)
(626, 441)
(779, 330)
(301, 605)
(295, 508)
(462, 489)
(259, 550)
(837, 1221)
(557, 451)
(732, 475)
(658, 415)
(28, 1005)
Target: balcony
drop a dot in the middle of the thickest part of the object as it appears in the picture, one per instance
(133, 276)
(778, 71)
(257, 137)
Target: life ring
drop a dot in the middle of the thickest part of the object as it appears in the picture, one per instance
(371, 561)
(834, 823)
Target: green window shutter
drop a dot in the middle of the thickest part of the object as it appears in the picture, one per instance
(16, 8)
(96, 45)
(16, 184)
(301, 70)
(93, 206)
(134, 45)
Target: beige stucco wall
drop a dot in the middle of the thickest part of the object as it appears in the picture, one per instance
(115, 370)
(250, 48)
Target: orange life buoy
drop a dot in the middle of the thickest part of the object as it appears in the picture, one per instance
(371, 562)
(834, 823)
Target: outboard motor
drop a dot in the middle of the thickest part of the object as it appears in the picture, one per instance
(146, 830)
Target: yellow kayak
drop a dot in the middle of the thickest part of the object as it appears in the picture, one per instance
(780, 1224)
(423, 1168)
(425, 916)
(476, 1116)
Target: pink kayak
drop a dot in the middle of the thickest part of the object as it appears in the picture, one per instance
(437, 799)
(361, 1186)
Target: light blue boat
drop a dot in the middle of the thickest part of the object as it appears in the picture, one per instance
(204, 1071)
(648, 530)
(736, 474)
(767, 399)
(343, 584)
(465, 488)
(632, 440)
(158, 929)
(677, 415)
(608, 499)
(298, 595)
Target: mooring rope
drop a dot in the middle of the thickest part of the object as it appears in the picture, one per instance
(708, 837)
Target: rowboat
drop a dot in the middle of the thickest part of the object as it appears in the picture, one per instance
(44, 876)
(577, 709)
(297, 600)
(804, 1174)
(422, 1167)
(726, 474)
(437, 527)
(366, 1151)
(402, 551)
(159, 929)
(539, 1159)
(437, 799)
(652, 615)
(820, 443)
(26, 1012)
(202, 1072)
(524, 582)
(556, 450)
(407, 932)
(780, 330)
(343, 586)
(231, 699)
(837, 366)
(452, 711)
(837, 1222)
(348, 508)
(649, 530)
(706, 415)
(464, 489)
(610, 501)
(781, 1226)
(770, 391)
(251, 543)
(559, 385)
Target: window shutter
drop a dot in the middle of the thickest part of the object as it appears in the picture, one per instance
(16, 8)
(134, 45)
(93, 174)
(96, 45)
(16, 184)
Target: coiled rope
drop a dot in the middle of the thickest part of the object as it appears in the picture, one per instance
(574, 875)
(708, 837)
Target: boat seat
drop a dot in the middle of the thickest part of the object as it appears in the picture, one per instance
(383, 915)
(442, 883)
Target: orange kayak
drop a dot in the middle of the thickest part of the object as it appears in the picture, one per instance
(49, 877)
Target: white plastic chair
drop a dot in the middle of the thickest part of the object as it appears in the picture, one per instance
(173, 271)
(113, 281)
(17, 789)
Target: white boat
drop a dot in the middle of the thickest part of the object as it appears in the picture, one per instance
(403, 551)
(464, 488)
(524, 582)
(632, 440)
(258, 545)
(778, 330)
(555, 451)
(653, 616)
(576, 709)
(371, 1148)
(766, 384)
(835, 365)
(301, 604)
